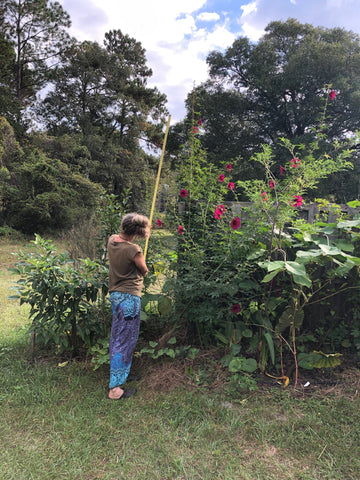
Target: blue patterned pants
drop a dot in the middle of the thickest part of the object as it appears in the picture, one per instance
(124, 335)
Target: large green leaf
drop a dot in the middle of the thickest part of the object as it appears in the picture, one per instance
(295, 268)
(250, 365)
(354, 204)
(239, 364)
(164, 305)
(277, 265)
(329, 250)
(302, 280)
(299, 273)
(290, 317)
(318, 360)
(236, 364)
(270, 276)
(270, 343)
(352, 259)
(349, 224)
(255, 254)
(326, 360)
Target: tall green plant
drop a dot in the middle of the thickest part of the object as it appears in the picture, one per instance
(221, 255)
(63, 296)
(212, 265)
(277, 200)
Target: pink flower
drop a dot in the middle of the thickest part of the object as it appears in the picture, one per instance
(159, 222)
(221, 178)
(194, 129)
(235, 223)
(298, 201)
(236, 308)
(219, 211)
(200, 122)
(332, 95)
(271, 184)
(183, 193)
(295, 162)
(180, 230)
(264, 196)
(229, 167)
(282, 169)
(230, 186)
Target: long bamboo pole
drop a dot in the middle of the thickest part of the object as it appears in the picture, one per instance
(157, 181)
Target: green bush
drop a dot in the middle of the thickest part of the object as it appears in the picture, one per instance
(67, 297)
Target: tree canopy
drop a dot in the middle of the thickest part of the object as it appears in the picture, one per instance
(35, 33)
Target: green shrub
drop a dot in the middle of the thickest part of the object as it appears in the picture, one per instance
(67, 297)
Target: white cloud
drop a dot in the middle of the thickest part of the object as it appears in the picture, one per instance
(253, 33)
(249, 8)
(208, 17)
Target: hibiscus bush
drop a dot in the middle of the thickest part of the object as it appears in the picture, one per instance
(245, 271)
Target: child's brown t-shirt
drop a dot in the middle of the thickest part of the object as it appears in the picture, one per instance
(123, 274)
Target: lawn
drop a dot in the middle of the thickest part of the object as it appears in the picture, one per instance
(56, 422)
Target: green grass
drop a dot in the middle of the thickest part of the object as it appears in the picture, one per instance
(56, 423)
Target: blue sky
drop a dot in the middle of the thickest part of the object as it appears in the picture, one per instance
(178, 34)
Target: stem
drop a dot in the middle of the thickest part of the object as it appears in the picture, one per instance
(281, 357)
(295, 357)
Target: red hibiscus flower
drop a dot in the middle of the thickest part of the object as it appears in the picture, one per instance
(295, 162)
(229, 167)
(194, 130)
(236, 308)
(219, 211)
(282, 169)
(180, 230)
(332, 95)
(271, 184)
(230, 186)
(200, 122)
(183, 193)
(298, 201)
(221, 178)
(235, 223)
(264, 196)
(159, 222)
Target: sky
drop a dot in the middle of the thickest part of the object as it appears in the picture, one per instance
(178, 34)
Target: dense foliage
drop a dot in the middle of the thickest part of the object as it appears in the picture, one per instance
(226, 247)
(81, 114)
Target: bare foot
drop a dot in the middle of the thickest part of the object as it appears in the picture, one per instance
(115, 393)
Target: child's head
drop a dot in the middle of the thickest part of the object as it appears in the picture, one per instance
(135, 225)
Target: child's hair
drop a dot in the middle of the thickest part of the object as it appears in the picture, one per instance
(136, 225)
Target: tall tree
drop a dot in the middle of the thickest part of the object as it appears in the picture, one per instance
(9, 104)
(101, 93)
(104, 89)
(258, 92)
(36, 29)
